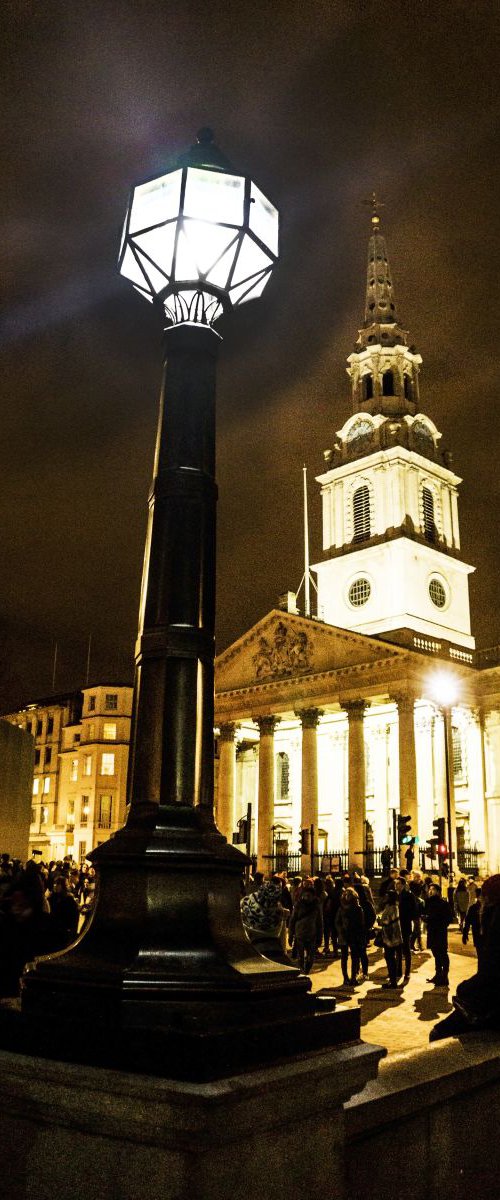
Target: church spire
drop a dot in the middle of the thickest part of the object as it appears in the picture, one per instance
(380, 304)
(383, 367)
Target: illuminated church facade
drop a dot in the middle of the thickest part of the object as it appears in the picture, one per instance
(339, 722)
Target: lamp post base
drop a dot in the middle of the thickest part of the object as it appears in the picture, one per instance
(164, 980)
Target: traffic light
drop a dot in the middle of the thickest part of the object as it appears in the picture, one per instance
(304, 841)
(442, 850)
(438, 830)
(404, 827)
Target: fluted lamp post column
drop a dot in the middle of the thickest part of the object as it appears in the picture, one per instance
(164, 978)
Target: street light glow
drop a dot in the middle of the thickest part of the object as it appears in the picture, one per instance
(444, 688)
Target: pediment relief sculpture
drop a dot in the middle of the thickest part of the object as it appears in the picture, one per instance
(286, 652)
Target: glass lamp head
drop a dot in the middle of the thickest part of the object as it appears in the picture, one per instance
(200, 238)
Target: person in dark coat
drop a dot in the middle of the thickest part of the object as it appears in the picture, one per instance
(364, 894)
(385, 861)
(64, 914)
(472, 924)
(350, 924)
(477, 1000)
(306, 925)
(330, 910)
(438, 916)
(407, 915)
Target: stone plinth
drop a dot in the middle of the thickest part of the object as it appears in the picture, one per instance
(68, 1131)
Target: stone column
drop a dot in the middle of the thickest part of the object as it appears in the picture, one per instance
(355, 710)
(309, 718)
(267, 726)
(226, 780)
(408, 793)
(481, 719)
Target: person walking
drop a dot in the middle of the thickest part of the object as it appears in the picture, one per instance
(364, 894)
(351, 934)
(391, 937)
(385, 861)
(472, 924)
(462, 902)
(438, 916)
(407, 906)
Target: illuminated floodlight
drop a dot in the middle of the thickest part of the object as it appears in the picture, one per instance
(199, 238)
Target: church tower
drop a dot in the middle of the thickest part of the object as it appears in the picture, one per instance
(390, 497)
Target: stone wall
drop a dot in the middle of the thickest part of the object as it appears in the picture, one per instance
(427, 1127)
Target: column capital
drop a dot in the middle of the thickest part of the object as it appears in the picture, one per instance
(405, 702)
(309, 717)
(227, 731)
(355, 709)
(267, 725)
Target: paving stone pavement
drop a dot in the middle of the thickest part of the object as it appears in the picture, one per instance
(401, 1019)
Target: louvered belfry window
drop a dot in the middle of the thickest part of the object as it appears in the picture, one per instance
(361, 513)
(428, 513)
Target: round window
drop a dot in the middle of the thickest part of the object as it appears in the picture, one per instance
(437, 593)
(359, 592)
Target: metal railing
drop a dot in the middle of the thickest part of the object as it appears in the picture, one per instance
(468, 859)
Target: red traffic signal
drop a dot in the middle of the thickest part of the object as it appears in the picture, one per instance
(442, 850)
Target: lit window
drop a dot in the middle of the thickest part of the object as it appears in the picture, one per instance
(36, 787)
(46, 784)
(282, 776)
(109, 732)
(359, 592)
(361, 513)
(84, 810)
(437, 593)
(82, 852)
(459, 756)
(105, 812)
(70, 824)
(107, 764)
(87, 764)
(44, 815)
(111, 700)
(91, 703)
(74, 770)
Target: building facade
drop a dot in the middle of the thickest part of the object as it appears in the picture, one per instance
(338, 722)
(80, 768)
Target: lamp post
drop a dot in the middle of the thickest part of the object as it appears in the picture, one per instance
(444, 690)
(164, 979)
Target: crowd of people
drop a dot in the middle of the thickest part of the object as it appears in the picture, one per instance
(42, 909)
(304, 920)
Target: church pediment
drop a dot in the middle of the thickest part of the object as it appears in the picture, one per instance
(284, 646)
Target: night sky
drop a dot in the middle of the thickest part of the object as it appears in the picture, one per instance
(321, 103)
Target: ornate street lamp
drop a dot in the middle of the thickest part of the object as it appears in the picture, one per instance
(164, 979)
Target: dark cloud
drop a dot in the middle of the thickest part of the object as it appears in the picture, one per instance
(321, 103)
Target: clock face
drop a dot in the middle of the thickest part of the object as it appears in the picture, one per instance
(360, 429)
(423, 439)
